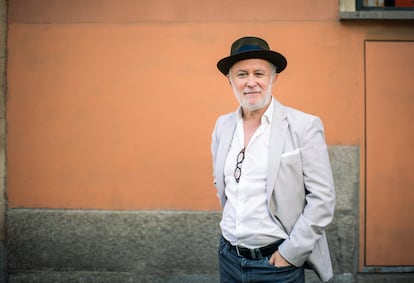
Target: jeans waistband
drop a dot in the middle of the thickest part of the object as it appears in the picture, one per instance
(257, 253)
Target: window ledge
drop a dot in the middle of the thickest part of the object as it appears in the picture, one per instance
(376, 15)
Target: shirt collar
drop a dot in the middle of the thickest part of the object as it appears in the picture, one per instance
(268, 115)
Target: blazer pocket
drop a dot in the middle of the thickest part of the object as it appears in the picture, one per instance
(290, 153)
(292, 162)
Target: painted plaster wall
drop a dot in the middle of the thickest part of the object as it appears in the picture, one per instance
(111, 105)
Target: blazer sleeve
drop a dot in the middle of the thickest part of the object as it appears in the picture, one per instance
(319, 195)
(215, 138)
(214, 143)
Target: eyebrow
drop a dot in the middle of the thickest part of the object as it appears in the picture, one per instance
(255, 70)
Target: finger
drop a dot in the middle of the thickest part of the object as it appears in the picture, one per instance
(272, 259)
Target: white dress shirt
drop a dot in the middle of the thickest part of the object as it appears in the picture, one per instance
(246, 220)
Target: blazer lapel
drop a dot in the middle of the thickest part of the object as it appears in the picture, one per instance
(226, 134)
(278, 133)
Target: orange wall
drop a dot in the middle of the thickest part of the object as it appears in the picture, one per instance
(110, 104)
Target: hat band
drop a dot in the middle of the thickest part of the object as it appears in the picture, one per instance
(246, 48)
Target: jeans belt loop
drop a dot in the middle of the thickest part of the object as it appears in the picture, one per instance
(254, 254)
(238, 252)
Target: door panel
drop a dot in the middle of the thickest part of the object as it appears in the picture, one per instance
(389, 154)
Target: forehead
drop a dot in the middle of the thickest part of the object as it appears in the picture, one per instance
(251, 64)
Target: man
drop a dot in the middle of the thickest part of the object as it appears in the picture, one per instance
(272, 174)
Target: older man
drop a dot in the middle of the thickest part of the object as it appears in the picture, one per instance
(272, 174)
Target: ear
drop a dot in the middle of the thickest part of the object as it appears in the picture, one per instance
(228, 79)
(274, 78)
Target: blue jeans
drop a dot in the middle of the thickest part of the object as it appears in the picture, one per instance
(237, 269)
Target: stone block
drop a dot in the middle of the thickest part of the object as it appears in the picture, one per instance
(345, 169)
(75, 277)
(133, 241)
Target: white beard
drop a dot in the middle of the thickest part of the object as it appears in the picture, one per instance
(256, 106)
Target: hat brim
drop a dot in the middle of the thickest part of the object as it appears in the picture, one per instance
(273, 57)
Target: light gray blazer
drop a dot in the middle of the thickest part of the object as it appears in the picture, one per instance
(300, 187)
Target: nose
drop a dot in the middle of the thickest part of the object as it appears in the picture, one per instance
(251, 81)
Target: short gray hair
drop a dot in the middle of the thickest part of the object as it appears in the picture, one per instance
(273, 68)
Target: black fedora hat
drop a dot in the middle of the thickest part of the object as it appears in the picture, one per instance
(248, 48)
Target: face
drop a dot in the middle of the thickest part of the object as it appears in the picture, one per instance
(252, 81)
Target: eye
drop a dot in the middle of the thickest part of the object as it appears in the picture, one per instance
(241, 75)
(259, 74)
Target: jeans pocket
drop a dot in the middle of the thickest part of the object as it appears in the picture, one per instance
(281, 268)
(222, 246)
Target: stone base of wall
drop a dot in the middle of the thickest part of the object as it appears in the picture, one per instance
(48, 246)
(3, 262)
(127, 245)
(110, 277)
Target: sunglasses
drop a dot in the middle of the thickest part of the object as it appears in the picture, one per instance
(237, 170)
